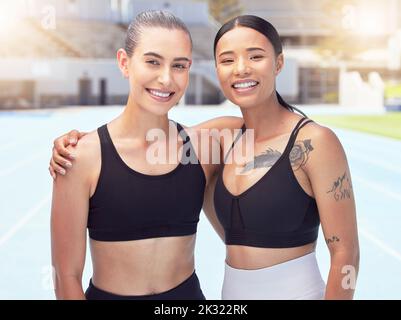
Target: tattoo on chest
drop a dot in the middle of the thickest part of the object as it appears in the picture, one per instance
(299, 155)
(333, 239)
(342, 188)
(266, 160)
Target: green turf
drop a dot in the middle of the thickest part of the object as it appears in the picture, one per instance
(392, 91)
(388, 124)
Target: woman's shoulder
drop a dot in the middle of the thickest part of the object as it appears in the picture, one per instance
(319, 133)
(87, 150)
(87, 161)
(320, 143)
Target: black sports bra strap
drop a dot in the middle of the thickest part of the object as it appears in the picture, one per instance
(298, 126)
(107, 147)
(303, 125)
(243, 129)
(295, 132)
(102, 134)
(185, 137)
(105, 139)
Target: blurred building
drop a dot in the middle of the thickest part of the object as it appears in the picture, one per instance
(363, 29)
(62, 52)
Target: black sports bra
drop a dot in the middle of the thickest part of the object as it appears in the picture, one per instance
(274, 213)
(129, 205)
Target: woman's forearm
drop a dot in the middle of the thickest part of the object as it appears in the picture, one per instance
(342, 276)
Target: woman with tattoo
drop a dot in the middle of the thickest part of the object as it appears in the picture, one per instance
(270, 205)
(272, 209)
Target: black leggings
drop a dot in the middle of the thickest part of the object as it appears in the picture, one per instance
(187, 290)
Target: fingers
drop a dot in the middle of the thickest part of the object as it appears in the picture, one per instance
(60, 145)
(73, 137)
(52, 173)
(61, 161)
(81, 134)
(55, 168)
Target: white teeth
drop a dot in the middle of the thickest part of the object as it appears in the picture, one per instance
(245, 84)
(159, 93)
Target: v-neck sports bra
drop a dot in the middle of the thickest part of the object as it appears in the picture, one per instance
(273, 213)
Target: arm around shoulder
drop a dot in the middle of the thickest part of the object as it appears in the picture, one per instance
(69, 214)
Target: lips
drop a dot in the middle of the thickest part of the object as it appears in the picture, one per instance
(244, 86)
(160, 95)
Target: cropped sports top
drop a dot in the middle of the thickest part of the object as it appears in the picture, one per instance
(273, 213)
(129, 205)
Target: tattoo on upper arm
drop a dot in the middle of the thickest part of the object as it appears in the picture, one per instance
(299, 155)
(333, 239)
(342, 188)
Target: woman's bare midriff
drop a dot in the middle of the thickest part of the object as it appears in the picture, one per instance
(252, 258)
(142, 267)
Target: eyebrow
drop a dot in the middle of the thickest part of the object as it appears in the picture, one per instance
(156, 55)
(248, 49)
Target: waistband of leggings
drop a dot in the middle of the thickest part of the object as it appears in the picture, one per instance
(305, 261)
(160, 295)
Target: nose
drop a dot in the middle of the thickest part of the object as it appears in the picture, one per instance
(165, 77)
(241, 67)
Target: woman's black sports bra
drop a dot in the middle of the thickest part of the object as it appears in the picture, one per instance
(275, 212)
(129, 205)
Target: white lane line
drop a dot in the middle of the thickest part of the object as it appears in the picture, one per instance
(369, 236)
(378, 188)
(380, 243)
(22, 163)
(376, 163)
(25, 219)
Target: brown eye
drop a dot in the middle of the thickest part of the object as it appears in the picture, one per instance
(179, 66)
(153, 62)
(226, 61)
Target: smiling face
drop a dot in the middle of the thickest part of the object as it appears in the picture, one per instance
(247, 67)
(158, 70)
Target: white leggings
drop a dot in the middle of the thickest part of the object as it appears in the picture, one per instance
(297, 279)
